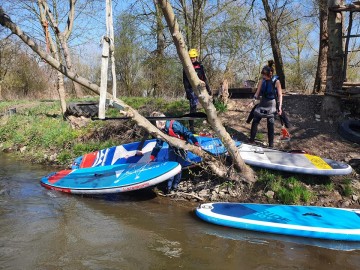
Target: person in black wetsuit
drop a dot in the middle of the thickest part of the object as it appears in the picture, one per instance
(190, 95)
(270, 92)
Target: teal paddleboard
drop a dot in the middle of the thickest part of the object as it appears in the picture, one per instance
(112, 178)
(303, 221)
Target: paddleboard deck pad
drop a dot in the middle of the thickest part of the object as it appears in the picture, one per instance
(303, 221)
(291, 162)
(126, 153)
(111, 179)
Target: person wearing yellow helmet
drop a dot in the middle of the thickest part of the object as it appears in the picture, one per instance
(193, 53)
(190, 95)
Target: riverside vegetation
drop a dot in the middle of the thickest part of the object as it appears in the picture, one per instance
(37, 130)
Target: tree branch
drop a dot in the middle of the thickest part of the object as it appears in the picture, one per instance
(217, 167)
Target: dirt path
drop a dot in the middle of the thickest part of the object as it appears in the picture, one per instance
(309, 132)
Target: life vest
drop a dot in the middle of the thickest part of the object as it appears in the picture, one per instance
(268, 88)
(172, 133)
(199, 70)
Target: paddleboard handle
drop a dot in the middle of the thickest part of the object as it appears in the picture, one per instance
(312, 214)
(298, 151)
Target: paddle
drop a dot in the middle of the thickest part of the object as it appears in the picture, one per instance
(260, 149)
(188, 116)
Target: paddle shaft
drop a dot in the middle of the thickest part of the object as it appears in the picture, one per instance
(188, 116)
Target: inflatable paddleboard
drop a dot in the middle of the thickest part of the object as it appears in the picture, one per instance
(291, 162)
(270, 239)
(126, 153)
(303, 221)
(111, 179)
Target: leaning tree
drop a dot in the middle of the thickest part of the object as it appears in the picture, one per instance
(217, 166)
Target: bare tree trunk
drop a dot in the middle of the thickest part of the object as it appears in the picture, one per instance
(275, 44)
(64, 36)
(216, 166)
(200, 90)
(331, 105)
(160, 39)
(320, 79)
(55, 52)
(187, 23)
(61, 90)
(110, 28)
(224, 96)
(158, 63)
(108, 49)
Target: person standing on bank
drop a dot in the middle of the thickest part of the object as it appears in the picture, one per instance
(270, 92)
(174, 129)
(190, 95)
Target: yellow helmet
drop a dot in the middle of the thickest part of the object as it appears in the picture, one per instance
(193, 53)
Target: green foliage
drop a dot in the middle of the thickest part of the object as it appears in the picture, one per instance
(293, 192)
(228, 184)
(287, 190)
(260, 136)
(348, 191)
(41, 128)
(148, 105)
(91, 146)
(24, 78)
(136, 102)
(220, 106)
(329, 186)
(64, 157)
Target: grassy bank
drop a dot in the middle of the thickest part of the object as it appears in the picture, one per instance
(37, 130)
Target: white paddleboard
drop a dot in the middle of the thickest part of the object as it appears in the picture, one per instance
(291, 162)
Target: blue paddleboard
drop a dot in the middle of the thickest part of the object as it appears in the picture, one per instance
(252, 155)
(112, 178)
(303, 221)
(126, 153)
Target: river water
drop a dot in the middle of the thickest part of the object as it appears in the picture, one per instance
(43, 229)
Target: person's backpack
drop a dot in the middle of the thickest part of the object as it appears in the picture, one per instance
(268, 89)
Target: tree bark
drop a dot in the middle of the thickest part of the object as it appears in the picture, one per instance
(336, 51)
(104, 76)
(215, 165)
(110, 35)
(275, 44)
(64, 36)
(320, 79)
(200, 91)
(331, 105)
(55, 52)
(160, 39)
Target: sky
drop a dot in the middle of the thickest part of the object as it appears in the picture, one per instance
(89, 26)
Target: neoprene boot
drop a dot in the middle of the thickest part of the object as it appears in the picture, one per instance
(270, 127)
(253, 131)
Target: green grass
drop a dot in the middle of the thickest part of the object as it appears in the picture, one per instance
(220, 106)
(260, 136)
(287, 190)
(41, 130)
(227, 185)
(347, 189)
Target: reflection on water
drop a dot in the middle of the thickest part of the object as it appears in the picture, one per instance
(43, 229)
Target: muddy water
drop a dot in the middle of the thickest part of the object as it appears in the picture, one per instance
(42, 229)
